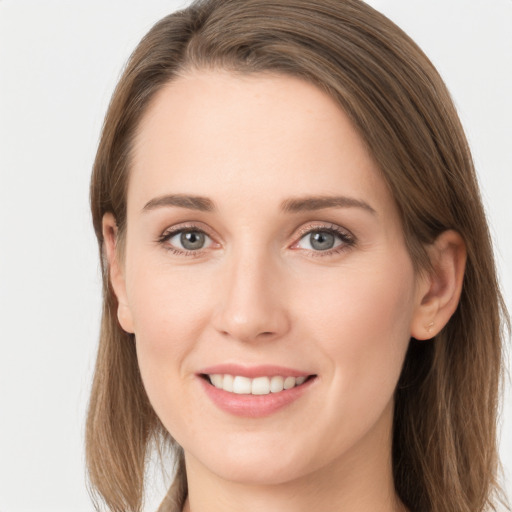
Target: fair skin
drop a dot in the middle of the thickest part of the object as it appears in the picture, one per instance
(327, 290)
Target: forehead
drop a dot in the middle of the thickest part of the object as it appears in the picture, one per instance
(213, 132)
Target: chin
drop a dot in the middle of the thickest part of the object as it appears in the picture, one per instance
(256, 467)
(256, 473)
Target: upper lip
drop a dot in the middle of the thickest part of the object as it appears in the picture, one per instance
(251, 372)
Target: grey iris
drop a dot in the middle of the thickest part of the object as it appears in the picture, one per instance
(191, 240)
(321, 240)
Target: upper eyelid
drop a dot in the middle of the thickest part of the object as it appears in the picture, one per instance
(326, 226)
(172, 230)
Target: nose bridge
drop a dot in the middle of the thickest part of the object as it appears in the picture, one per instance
(251, 304)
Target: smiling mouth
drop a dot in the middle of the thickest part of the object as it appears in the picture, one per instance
(240, 385)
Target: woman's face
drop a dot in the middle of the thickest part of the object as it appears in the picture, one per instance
(262, 244)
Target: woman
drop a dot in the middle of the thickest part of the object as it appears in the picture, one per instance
(299, 289)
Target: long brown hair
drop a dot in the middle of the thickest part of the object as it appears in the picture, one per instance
(444, 433)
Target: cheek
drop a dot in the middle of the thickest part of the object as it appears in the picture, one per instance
(361, 322)
(167, 305)
(169, 313)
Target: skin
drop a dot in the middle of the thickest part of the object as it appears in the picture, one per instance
(260, 293)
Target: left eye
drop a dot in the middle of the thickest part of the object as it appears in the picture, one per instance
(189, 240)
(321, 240)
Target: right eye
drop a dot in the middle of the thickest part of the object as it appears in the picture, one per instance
(186, 240)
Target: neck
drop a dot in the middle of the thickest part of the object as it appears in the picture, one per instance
(291, 498)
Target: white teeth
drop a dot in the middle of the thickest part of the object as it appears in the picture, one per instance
(257, 386)
(289, 382)
(276, 384)
(227, 382)
(217, 380)
(260, 386)
(241, 385)
(300, 380)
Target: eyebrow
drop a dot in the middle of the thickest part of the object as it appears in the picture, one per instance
(292, 205)
(202, 204)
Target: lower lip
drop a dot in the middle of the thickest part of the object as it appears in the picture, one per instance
(254, 406)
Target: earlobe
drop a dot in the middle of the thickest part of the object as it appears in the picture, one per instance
(115, 271)
(439, 291)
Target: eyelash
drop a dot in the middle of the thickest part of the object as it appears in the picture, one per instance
(348, 240)
(167, 235)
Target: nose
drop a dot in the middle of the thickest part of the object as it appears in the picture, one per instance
(252, 301)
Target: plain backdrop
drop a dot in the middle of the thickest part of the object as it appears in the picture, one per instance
(59, 62)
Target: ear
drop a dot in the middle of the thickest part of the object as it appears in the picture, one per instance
(439, 291)
(116, 271)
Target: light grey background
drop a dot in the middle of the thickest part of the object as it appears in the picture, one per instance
(59, 62)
